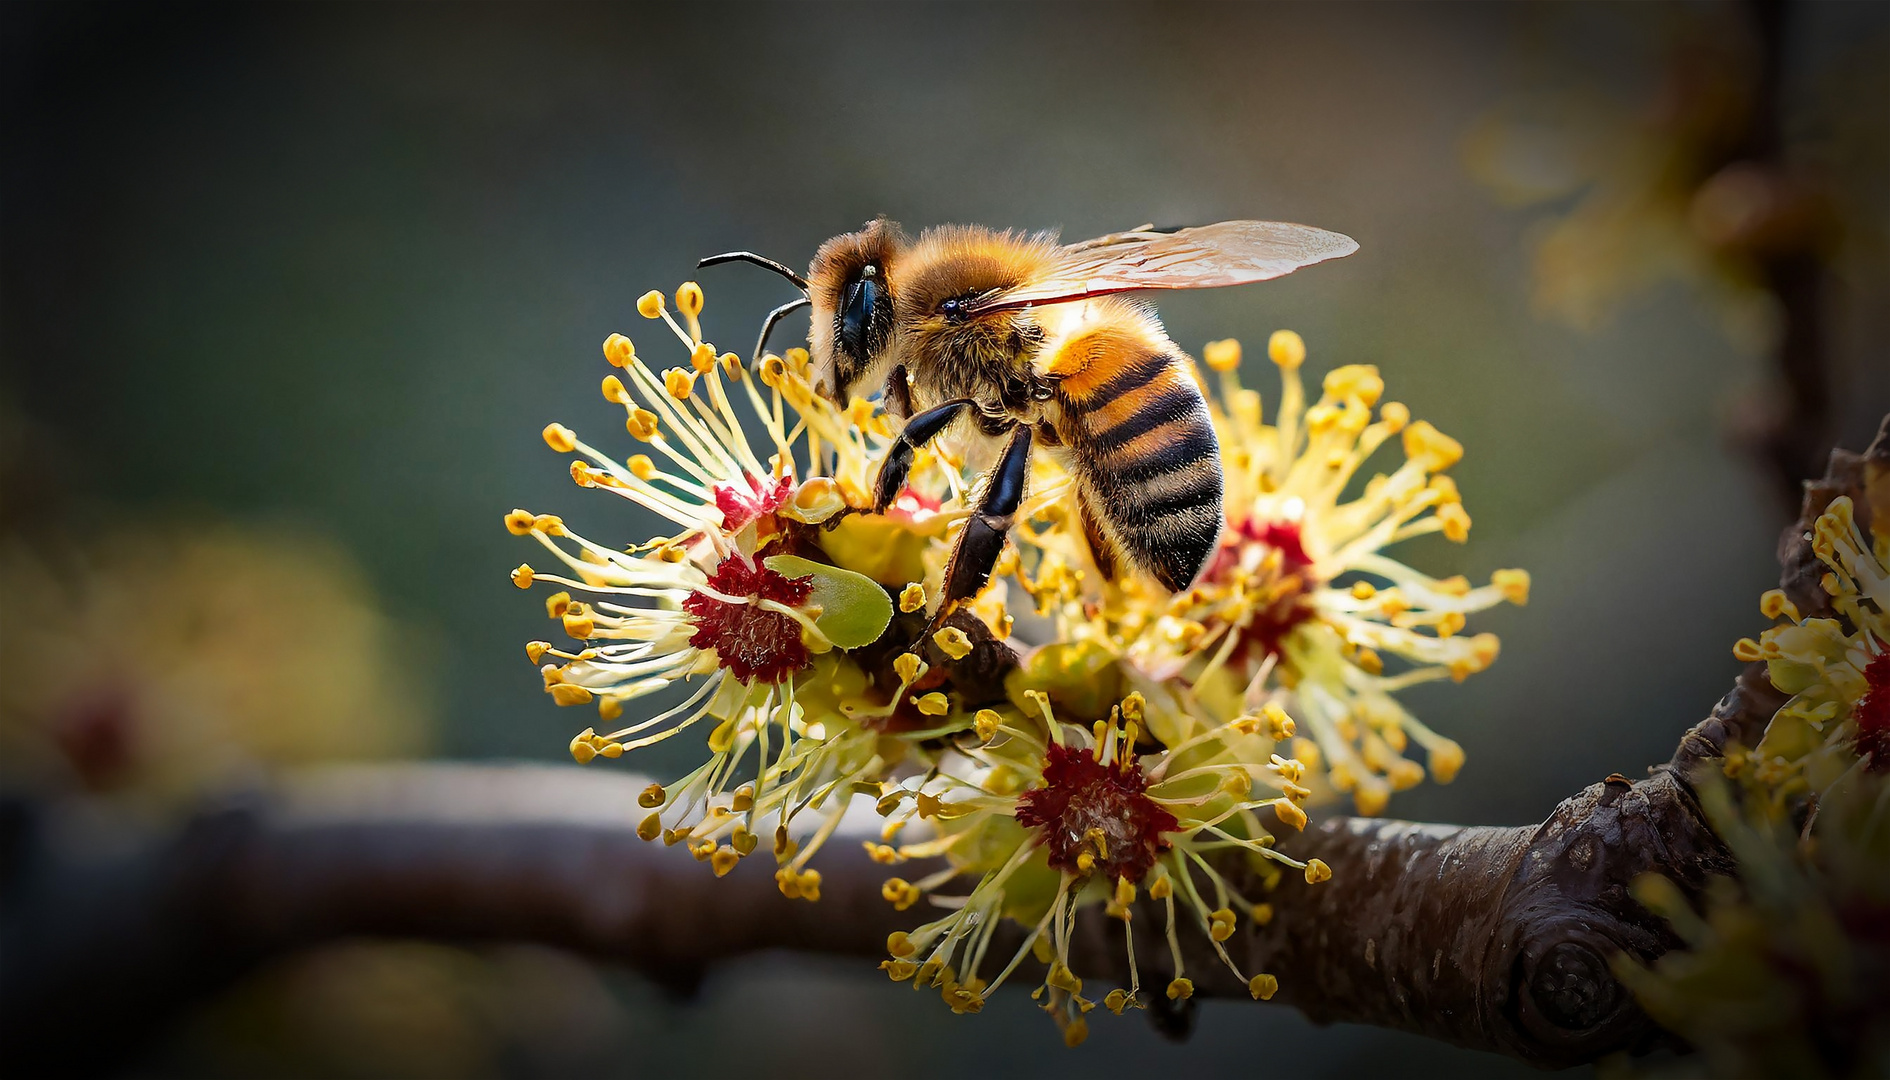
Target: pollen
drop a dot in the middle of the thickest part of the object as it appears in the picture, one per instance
(1287, 349)
(953, 642)
(1223, 355)
(679, 382)
(688, 299)
(912, 598)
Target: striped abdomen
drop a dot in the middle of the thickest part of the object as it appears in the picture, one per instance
(1143, 450)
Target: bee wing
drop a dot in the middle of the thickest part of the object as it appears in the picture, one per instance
(1205, 257)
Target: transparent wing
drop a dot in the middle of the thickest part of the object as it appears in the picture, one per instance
(1205, 257)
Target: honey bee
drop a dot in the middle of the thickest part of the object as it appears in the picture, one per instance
(1023, 342)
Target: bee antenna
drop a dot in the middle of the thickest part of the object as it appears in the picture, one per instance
(759, 260)
(775, 316)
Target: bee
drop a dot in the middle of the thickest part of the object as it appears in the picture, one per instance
(1025, 343)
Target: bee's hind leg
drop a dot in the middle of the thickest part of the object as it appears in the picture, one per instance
(918, 431)
(983, 537)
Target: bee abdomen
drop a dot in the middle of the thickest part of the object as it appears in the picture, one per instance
(1143, 445)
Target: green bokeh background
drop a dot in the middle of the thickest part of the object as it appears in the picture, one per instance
(339, 265)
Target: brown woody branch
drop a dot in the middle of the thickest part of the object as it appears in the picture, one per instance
(1491, 938)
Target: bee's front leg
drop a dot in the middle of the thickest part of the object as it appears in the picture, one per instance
(982, 540)
(918, 431)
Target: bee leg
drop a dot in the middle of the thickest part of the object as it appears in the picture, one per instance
(983, 537)
(897, 397)
(918, 431)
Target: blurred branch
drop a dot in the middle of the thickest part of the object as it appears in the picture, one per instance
(1492, 938)
(1791, 439)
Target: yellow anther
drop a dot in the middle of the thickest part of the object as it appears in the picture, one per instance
(784, 845)
(702, 358)
(723, 859)
(1125, 891)
(985, 724)
(1772, 604)
(560, 438)
(650, 304)
(651, 797)
(565, 693)
(953, 642)
(614, 391)
(900, 893)
(1085, 862)
(743, 840)
(1450, 624)
(1262, 914)
(1513, 584)
(679, 383)
(1403, 775)
(1075, 1032)
(1116, 1000)
(1221, 924)
(1446, 760)
(650, 828)
(581, 749)
(1431, 449)
(909, 667)
(912, 598)
(618, 350)
(1280, 726)
(1223, 355)
(1317, 871)
(689, 299)
(810, 885)
(816, 500)
(641, 423)
(1748, 650)
(578, 623)
(522, 577)
(744, 799)
(1395, 415)
(1456, 522)
(1180, 990)
(1162, 889)
(1359, 381)
(897, 970)
(1263, 987)
(672, 553)
(1134, 707)
(934, 704)
(519, 522)
(536, 650)
(900, 945)
(549, 524)
(1370, 662)
(1363, 590)
(731, 366)
(883, 854)
(641, 466)
(1289, 813)
(1237, 783)
(1288, 350)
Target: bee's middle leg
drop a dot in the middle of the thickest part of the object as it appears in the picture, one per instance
(982, 540)
(918, 431)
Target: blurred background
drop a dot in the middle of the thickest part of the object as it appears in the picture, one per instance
(288, 292)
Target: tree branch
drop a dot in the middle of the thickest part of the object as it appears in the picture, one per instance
(1492, 938)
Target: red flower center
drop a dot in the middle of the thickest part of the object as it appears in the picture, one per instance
(753, 643)
(1104, 810)
(1268, 628)
(1873, 714)
(743, 503)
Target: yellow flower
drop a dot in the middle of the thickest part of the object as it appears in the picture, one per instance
(1300, 605)
(1837, 672)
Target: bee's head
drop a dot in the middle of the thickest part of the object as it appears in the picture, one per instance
(948, 279)
(851, 286)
